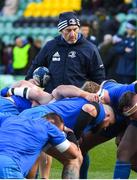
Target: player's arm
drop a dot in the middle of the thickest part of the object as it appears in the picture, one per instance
(70, 152)
(73, 91)
(71, 164)
(33, 94)
(24, 83)
(60, 142)
(66, 152)
(87, 115)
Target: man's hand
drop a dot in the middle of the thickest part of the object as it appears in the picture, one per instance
(91, 97)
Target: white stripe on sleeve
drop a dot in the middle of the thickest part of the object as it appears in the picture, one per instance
(63, 146)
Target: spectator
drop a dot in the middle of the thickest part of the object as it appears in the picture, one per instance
(35, 47)
(20, 56)
(2, 67)
(95, 29)
(107, 25)
(109, 55)
(10, 7)
(7, 59)
(1, 5)
(87, 32)
(126, 49)
(70, 58)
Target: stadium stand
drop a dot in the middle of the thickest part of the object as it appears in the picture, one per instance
(39, 18)
(31, 16)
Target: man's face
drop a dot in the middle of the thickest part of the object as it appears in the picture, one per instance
(70, 34)
(19, 42)
(85, 30)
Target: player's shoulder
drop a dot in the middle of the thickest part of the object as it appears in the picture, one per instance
(92, 108)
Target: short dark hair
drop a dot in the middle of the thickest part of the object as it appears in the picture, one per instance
(85, 23)
(56, 117)
(126, 100)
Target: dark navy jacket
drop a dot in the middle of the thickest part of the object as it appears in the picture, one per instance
(127, 61)
(69, 63)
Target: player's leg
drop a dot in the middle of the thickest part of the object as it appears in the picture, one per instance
(84, 167)
(33, 172)
(71, 167)
(134, 162)
(126, 150)
(45, 165)
(90, 139)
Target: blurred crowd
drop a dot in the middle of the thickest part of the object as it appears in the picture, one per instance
(15, 59)
(110, 25)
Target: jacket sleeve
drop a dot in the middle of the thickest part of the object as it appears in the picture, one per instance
(96, 68)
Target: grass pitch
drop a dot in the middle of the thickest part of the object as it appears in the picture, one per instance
(102, 162)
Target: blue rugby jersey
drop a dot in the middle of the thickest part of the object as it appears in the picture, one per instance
(115, 91)
(9, 107)
(21, 103)
(67, 108)
(23, 138)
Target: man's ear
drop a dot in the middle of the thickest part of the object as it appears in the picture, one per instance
(106, 121)
(106, 117)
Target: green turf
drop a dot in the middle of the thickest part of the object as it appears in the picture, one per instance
(102, 163)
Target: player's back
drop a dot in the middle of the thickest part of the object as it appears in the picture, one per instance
(23, 138)
(116, 89)
(67, 108)
(7, 106)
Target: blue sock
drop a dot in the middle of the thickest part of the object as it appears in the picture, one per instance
(122, 170)
(84, 167)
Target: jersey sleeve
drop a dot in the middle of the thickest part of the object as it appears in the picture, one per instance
(57, 138)
(4, 91)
